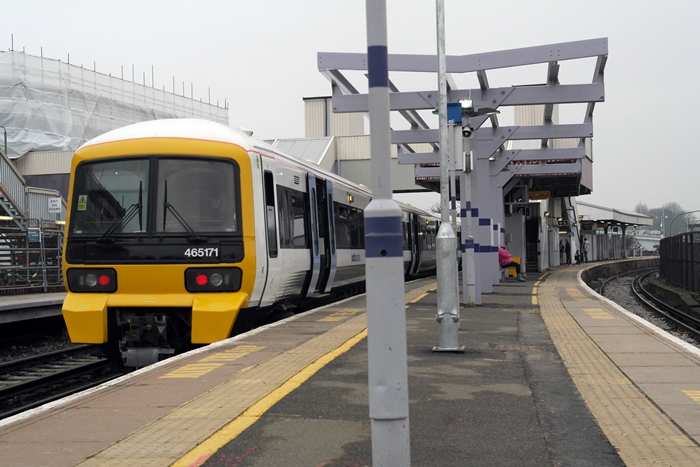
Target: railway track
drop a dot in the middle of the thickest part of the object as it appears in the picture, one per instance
(677, 316)
(37, 380)
(672, 317)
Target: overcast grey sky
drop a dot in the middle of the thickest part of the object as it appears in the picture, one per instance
(260, 56)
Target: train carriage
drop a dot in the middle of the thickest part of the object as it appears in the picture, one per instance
(181, 231)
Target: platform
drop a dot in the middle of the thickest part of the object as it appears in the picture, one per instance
(25, 307)
(552, 375)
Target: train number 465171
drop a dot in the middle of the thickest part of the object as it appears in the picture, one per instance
(201, 252)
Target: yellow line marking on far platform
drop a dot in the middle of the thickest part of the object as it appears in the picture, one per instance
(695, 395)
(205, 365)
(597, 313)
(419, 297)
(576, 294)
(194, 370)
(341, 315)
(232, 354)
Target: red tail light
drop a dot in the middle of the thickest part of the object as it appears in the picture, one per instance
(213, 279)
(92, 280)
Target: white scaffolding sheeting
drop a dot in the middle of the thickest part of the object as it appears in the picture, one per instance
(49, 105)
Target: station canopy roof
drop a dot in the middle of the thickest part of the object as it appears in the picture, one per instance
(611, 216)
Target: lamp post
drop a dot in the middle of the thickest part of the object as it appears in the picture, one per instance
(677, 216)
(446, 241)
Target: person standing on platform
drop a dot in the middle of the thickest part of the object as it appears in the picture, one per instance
(586, 247)
(562, 253)
(506, 261)
(567, 249)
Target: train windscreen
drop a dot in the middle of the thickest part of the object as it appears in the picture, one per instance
(112, 198)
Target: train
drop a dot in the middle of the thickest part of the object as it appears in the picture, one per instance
(183, 232)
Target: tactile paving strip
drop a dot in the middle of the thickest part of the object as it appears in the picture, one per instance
(642, 434)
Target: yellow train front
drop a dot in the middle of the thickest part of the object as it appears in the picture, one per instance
(160, 241)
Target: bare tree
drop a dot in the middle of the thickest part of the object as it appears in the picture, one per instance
(663, 217)
(436, 208)
(641, 208)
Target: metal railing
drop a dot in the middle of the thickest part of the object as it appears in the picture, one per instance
(680, 260)
(30, 256)
(19, 201)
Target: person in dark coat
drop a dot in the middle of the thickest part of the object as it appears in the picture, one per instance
(567, 250)
(562, 253)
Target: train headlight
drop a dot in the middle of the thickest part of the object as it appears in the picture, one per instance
(213, 279)
(92, 280)
(216, 279)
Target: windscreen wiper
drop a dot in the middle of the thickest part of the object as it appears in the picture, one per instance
(134, 209)
(194, 237)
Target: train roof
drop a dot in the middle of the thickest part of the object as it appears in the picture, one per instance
(187, 128)
(206, 130)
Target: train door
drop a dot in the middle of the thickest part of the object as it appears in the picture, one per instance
(274, 267)
(322, 248)
(330, 240)
(416, 246)
(313, 230)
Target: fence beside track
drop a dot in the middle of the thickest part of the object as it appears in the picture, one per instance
(680, 260)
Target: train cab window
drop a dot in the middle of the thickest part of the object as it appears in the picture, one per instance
(111, 195)
(113, 198)
(204, 192)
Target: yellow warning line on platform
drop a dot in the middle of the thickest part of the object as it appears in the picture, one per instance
(206, 449)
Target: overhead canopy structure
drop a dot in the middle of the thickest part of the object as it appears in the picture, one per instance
(562, 171)
(611, 217)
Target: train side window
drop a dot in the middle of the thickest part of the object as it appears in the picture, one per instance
(270, 215)
(298, 216)
(285, 222)
(361, 222)
(342, 226)
(331, 222)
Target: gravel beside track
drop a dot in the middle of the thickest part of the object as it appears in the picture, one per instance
(620, 292)
(17, 350)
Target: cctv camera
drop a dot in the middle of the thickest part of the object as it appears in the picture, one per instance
(467, 131)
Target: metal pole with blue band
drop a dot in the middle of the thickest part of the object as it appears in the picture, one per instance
(386, 316)
(446, 241)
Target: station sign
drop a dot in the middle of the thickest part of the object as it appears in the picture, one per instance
(54, 205)
(539, 195)
(33, 235)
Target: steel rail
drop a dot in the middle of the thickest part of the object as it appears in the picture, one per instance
(664, 310)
